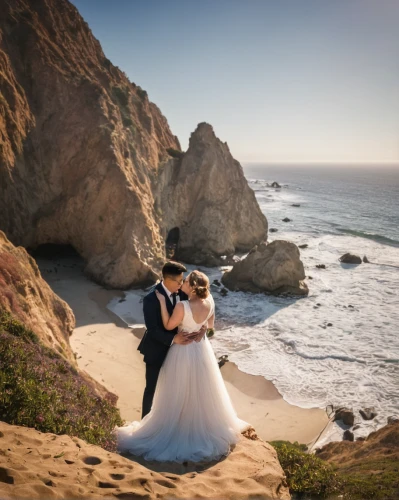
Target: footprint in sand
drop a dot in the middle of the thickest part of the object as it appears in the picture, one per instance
(117, 477)
(92, 460)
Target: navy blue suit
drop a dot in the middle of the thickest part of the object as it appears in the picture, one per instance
(156, 341)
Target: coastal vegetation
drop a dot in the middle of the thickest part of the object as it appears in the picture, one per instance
(363, 470)
(306, 474)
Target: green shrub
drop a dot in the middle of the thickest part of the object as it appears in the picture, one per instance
(127, 122)
(142, 93)
(40, 389)
(305, 473)
(16, 328)
(371, 479)
(107, 63)
(121, 95)
(175, 153)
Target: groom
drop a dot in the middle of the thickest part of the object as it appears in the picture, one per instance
(157, 340)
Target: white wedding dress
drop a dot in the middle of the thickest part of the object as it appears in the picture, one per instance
(192, 417)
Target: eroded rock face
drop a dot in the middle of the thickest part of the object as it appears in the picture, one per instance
(80, 145)
(206, 196)
(84, 153)
(273, 268)
(25, 294)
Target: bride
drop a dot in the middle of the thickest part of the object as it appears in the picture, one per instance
(192, 417)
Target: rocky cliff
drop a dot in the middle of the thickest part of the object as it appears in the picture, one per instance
(84, 155)
(207, 199)
(25, 294)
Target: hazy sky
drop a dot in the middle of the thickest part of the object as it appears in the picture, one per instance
(279, 80)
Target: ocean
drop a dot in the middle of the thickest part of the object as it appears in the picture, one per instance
(355, 361)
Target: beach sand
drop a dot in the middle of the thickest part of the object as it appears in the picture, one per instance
(106, 348)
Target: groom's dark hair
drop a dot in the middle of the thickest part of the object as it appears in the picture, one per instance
(173, 269)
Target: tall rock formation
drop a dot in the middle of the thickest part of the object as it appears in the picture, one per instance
(206, 197)
(83, 152)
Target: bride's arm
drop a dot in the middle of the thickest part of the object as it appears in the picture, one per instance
(170, 322)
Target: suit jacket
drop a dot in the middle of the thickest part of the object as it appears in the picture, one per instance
(157, 340)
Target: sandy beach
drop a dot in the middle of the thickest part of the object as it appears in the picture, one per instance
(106, 348)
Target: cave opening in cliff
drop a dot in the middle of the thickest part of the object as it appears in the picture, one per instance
(51, 257)
(172, 242)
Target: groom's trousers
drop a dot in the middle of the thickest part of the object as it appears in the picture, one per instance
(151, 378)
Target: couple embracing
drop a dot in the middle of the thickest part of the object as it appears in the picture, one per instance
(187, 412)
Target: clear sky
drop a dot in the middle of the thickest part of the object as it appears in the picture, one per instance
(291, 81)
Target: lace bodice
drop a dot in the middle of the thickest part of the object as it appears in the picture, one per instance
(188, 324)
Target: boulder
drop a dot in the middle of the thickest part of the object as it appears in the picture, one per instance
(223, 360)
(286, 219)
(346, 415)
(273, 230)
(271, 268)
(320, 266)
(366, 260)
(348, 435)
(305, 245)
(368, 413)
(349, 258)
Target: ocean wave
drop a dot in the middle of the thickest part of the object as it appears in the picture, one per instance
(371, 236)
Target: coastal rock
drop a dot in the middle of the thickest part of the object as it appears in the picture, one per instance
(348, 435)
(305, 245)
(346, 415)
(275, 185)
(272, 268)
(88, 161)
(273, 230)
(366, 260)
(368, 413)
(223, 360)
(349, 258)
(206, 197)
(66, 467)
(286, 219)
(296, 205)
(320, 266)
(25, 294)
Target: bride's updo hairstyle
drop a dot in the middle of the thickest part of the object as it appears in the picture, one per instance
(200, 282)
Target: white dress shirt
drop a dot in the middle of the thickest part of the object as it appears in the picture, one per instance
(169, 294)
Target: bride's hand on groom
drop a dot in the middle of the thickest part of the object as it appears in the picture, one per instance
(160, 297)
